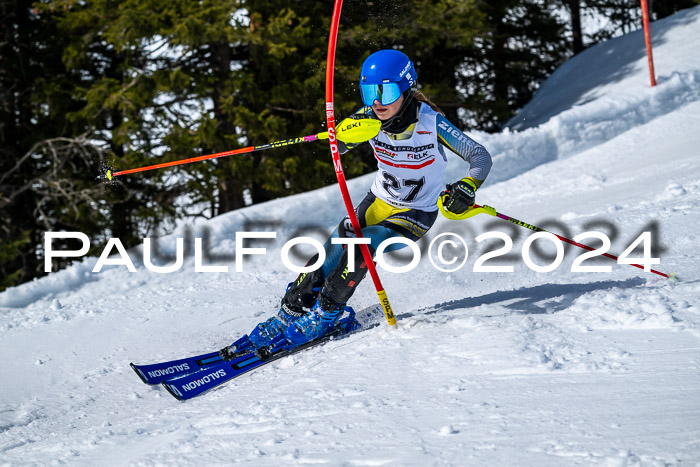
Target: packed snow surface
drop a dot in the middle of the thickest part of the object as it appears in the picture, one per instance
(485, 368)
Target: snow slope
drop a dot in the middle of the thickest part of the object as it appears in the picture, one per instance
(522, 368)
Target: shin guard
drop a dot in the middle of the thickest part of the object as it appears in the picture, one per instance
(341, 283)
(302, 293)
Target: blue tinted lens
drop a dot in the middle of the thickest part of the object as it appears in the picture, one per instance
(385, 93)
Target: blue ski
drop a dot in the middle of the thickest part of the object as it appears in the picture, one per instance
(156, 373)
(194, 384)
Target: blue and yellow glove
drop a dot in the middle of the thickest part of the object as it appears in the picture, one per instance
(458, 198)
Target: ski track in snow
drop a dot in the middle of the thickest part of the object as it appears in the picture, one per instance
(521, 368)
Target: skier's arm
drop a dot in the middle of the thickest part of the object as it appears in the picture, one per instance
(478, 157)
(459, 196)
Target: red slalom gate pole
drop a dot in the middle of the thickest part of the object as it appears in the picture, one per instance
(330, 124)
(647, 39)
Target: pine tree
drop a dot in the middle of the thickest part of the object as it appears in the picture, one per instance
(624, 16)
(521, 45)
(47, 167)
(236, 74)
(663, 8)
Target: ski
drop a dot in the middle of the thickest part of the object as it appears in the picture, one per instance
(156, 373)
(191, 385)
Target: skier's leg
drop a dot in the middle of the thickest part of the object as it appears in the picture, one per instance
(379, 222)
(337, 289)
(300, 294)
(303, 293)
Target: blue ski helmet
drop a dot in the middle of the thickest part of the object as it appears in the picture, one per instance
(385, 75)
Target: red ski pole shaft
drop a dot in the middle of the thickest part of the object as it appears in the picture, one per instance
(277, 144)
(534, 228)
(330, 120)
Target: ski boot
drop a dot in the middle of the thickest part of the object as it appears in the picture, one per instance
(315, 324)
(299, 297)
(266, 332)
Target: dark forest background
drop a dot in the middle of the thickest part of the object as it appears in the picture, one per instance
(90, 84)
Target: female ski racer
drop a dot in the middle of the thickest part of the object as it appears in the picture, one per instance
(403, 200)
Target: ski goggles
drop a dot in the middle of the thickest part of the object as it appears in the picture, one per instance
(386, 94)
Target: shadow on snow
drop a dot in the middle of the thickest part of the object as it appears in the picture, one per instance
(528, 300)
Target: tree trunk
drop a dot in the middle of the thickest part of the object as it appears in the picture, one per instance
(576, 30)
(230, 195)
(230, 186)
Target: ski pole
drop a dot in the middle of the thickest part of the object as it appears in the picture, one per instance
(356, 131)
(109, 175)
(476, 209)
